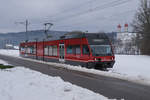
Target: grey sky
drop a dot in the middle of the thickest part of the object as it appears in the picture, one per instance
(67, 15)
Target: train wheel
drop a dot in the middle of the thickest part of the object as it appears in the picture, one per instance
(89, 65)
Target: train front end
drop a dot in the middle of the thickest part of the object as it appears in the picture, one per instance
(101, 51)
(103, 56)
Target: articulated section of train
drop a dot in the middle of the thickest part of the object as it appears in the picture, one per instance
(89, 50)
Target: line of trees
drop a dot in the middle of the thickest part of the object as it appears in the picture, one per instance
(141, 25)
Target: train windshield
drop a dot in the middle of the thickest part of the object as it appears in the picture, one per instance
(101, 50)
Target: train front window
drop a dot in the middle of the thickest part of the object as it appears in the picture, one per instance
(101, 50)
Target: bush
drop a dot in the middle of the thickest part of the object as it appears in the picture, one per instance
(5, 66)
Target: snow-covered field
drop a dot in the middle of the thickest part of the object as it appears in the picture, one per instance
(24, 84)
(135, 68)
(14, 53)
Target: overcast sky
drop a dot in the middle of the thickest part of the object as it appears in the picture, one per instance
(66, 15)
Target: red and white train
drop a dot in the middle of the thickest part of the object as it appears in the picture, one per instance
(89, 50)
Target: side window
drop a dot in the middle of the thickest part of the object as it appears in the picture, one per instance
(50, 51)
(77, 49)
(54, 48)
(69, 50)
(28, 50)
(31, 50)
(22, 49)
(46, 50)
(86, 50)
(34, 49)
(25, 49)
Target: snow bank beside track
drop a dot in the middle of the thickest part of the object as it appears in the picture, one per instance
(24, 84)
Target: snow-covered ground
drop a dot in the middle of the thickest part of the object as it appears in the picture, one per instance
(24, 84)
(133, 65)
(135, 68)
(14, 53)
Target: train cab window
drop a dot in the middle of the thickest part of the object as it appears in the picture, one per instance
(69, 50)
(86, 50)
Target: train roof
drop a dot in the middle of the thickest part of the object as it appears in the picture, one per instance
(72, 35)
(84, 35)
(93, 38)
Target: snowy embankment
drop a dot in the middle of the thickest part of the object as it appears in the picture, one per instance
(135, 68)
(24, 84)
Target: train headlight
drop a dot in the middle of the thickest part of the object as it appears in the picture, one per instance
(113, 58)
(96, 59)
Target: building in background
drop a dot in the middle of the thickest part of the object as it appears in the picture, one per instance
(11, 46)
(126, 42)
(119, 28)
(8, 46)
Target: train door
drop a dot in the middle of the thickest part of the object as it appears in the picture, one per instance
(61, 52)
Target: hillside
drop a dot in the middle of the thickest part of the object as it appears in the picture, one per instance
(16, 38)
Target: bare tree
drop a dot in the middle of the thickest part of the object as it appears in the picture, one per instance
(141, 25)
